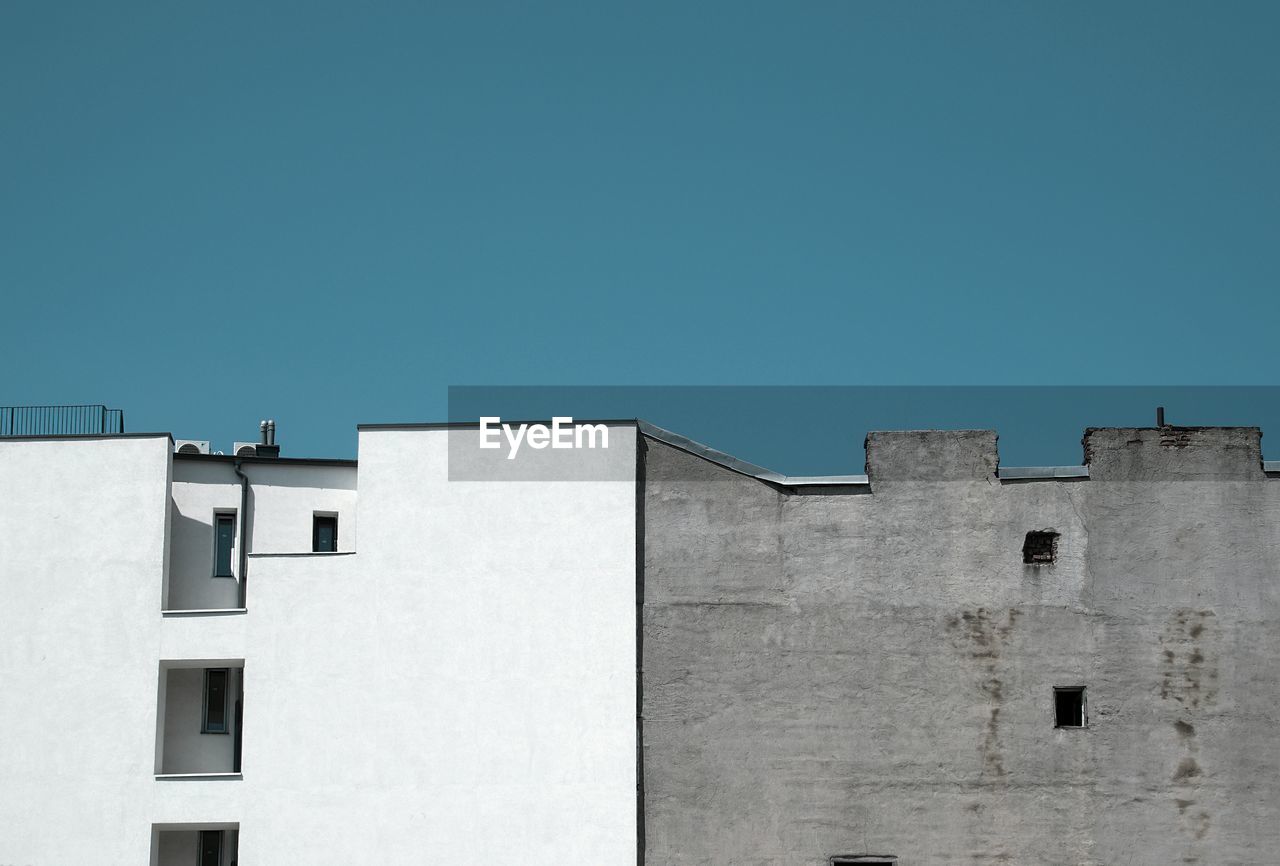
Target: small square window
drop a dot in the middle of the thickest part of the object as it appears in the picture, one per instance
(1069, 707)
(1040, 548)
(324, 533)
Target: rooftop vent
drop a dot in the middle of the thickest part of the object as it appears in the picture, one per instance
(190, 446)
(268, 447)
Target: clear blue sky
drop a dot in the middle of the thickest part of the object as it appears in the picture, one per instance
(213, 213)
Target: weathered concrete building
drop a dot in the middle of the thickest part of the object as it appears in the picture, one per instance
(648, 653)
(870, 671)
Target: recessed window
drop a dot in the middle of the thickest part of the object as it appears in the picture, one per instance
(216, 681)
(324, 533)
(1040, 548)
(210, 847)
(224, 537)
(1069, 707)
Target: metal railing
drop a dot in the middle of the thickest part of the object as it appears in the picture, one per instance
(60, 420)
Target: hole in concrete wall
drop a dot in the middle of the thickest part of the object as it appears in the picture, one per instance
(1040, 548)
(864, 860)
(1069, 707)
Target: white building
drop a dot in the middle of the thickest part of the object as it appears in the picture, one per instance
(211, 659)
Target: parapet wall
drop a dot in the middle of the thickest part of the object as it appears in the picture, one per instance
(1111, 453)
(1174, 453)
(932, 455)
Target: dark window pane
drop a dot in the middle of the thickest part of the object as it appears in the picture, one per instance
(215, 700)
(1069, 708)
(324, 536)
(224, 537)
(210, 848)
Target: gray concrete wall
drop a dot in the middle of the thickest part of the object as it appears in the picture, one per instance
(873, 673)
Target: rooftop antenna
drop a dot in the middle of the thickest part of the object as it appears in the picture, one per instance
(1159, 416)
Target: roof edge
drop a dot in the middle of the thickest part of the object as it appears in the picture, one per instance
(468, 425)
(55, 437)
(284, 461)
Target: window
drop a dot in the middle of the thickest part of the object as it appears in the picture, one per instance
(1069, 707)
(1040, 548)
(864, 860)
(216, 681)
(210, 848)
(224, 536)
(324, 533)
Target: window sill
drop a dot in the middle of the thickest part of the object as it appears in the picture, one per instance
(211, 611)
(302, 553)
(170, 777)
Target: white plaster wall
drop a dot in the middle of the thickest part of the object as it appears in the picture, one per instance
(285, 497)
(82, 555)
(178, 847)
(282, 500)
(462, 690)
(186, 749)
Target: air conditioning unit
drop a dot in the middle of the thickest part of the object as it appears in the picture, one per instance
(190, 446)
(245, 449)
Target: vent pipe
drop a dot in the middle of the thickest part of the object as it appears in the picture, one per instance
(267, 447)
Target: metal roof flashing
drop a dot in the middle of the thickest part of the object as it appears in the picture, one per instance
(742, 467)
(1041, 473)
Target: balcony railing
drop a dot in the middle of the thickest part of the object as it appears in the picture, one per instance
(60, 420)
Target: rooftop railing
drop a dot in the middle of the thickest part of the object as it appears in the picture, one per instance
(60, 420)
